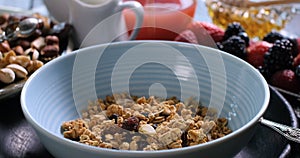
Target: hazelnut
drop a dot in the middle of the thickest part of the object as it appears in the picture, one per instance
(50, 50)
(24, 43)
(51, 40)
(18, 50)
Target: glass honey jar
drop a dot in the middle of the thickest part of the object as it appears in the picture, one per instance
(257, 21)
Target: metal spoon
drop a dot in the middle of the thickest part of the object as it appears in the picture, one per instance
(288, 132)
(24, 29)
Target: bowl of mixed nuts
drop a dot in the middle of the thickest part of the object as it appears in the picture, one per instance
(27, 46)
(145, 99)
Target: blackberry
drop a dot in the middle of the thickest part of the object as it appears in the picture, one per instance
(272, 36)
(131, 124)
(236, 46)
(295, 49)
(233, 29)
(264, 70)
(245, 37)
(279, 56)
(219, 45)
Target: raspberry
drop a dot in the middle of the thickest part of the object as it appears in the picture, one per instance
(256, 53)
(214, 31)
(233, 29)
(286, 79)
(297, 71)
(235, 46)
(187, 36)
(131, 124)
(296, 61)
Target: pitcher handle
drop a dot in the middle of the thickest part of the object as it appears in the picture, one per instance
(138, 10)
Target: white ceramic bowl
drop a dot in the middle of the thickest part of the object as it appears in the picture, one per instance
(145, 68)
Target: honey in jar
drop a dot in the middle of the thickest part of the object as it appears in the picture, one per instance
(257, 21)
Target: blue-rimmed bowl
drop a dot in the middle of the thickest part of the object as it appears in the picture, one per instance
(145, 68)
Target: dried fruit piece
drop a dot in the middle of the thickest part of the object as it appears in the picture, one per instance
(131, 124)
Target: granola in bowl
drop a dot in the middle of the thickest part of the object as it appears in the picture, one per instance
(145, 124)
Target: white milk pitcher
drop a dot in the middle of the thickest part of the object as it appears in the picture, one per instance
(96, 21)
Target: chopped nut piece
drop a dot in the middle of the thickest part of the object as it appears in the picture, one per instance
(38, 43)
(147, 129)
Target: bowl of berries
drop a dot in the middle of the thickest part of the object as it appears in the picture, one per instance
(276, 56)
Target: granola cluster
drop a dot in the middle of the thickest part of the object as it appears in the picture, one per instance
(140, 123)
